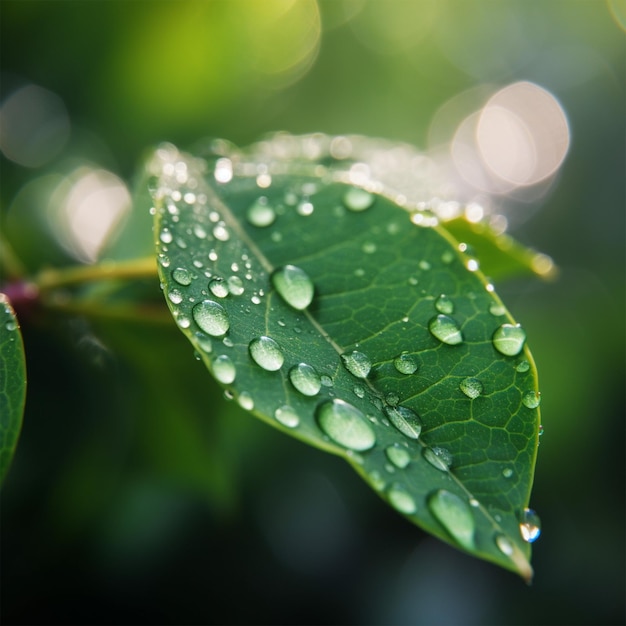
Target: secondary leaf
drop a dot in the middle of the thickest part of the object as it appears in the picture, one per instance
(358, 326)
(12, 383)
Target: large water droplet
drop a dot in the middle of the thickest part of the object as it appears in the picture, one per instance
(531, 399)
(345, 425)
(182, 276)
(471, 387)
(401, 500)
(357, 363)
(287, 416)
(509, 339)
(398, 455)
(443, 304)
(406, 364)
(305, 379)
(446, 330)
(266, 353)
(438, 457)
(218, 287)
(357, 199)
(294, 286)
(261, 213)
(405, 420)
(224, 369)
(530, 525)
(455, 515)
(211, 317)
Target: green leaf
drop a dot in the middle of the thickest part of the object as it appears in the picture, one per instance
(336, 315)
(12, 383)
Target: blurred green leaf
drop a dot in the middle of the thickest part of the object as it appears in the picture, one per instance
(328, 311)
(12, 383)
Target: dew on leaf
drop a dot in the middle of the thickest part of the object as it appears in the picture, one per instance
(357, 363)
(218, 287)
(235, 285)
(401, 500)
(439, 458)
(224, 369)
(305, 208)
(220, 232)
(405, 420)
(266, 353)
(406, 364)
(507, 472)
(455, 515)
(444, 304)
(245, 401)
(294, 286)
(446, 330)
(287, 416)
(166, 236)
(345, 425)
(305, 379)
(204, 342)
(261, 213)
(182, 276)
(376, 480)
(175, 296)
(522, 366)
(509, 339)
(211, 317)
(398, 455)
(504, 544)
(471, 387)
(183, 321)
(531, 399)
(530, 525)
(357, 199)
(497, 309)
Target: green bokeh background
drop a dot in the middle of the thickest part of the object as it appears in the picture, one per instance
(138, 493)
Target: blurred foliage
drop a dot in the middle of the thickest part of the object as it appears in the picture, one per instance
(123, 491)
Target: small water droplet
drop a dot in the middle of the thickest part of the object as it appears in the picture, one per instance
(220, 232)
(406, 364)
(504, 544)
(211, 317)
(446, 330)
(175, 296)
(223, 170)
(294, 286)
(497, 309)
(359, 391)
(245, 401)
(357, 199)
(235, 285)
(204, 342)
(471, 387)
(224, 369)
(392, 399)
(287, 416)
(405, 420)
(266, 353)
(164, 260)
(401, 500)
(327, 381)
(377, 481)
(447, 257)
(531, 399)
(182, 276)
(10, 325)
(305, 208)
(166, 236)
(305, 379)
(398, 455)
(369, 247)
(530, 525)
(444, 304)
(357, 363)
(509, 339)
(438, 457)
(261, 213)
(522, 366)
(455, 515)
(199, 232)
(507, 472)
(218, 287)
(345, 425)
(424, 265)
(183, 321)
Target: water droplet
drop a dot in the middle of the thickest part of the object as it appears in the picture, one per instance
(164, 260)
(305, 208)
(245, 401)
(218, 287)
(357, 199)
(531, 399)
(446, 330)
(398, 455)
(305, 379)
(211, 317)
(405, 420)
(294, 286)
(471, 387)
(447, 257)
(183, 321)
(504, 544)
(530, 525)
(235, 285)
(345, 425)
(182, 276)
(261, 213)
(369, 247)
(266, 353)
(223, 170)
(175, 296)
(327, 381)
(10, 325)
(166, 236)
(406, 364)
(220, 232)
(455, 515)
(359, 391)
(287, 416)
(444, 304)
(377, 480)
(496, 308)
(522, 366)
(199, 232)
(204, 342)
(357, 363)
(392, 399)
(507, 472)
(401, 500)
(424, 265)
(224, 369)
(509, 339)
(438, 457)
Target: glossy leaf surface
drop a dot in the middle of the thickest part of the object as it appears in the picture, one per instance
(12, 383)
(358, 326)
